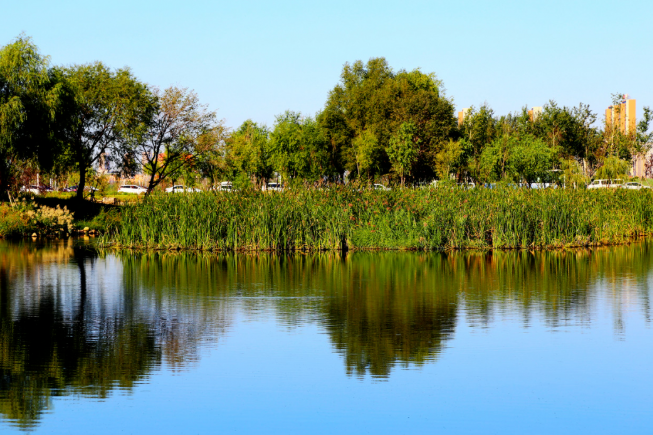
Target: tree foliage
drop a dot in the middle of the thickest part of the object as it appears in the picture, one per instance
(377, 123)
(106, 109)
(29, 107)
(299, 148)
(403, 149)
(372, 100)
(179, 130)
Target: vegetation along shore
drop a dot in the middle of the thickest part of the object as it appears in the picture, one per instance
(92, 132)
(344, 218)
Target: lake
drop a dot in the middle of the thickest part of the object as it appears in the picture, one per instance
(512, 342)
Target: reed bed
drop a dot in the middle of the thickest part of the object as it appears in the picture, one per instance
(422, 219)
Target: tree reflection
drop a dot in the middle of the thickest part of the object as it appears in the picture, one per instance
(61, 339)
(75, 323)
(387, 308)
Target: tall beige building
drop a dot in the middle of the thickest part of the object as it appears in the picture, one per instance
(623, 115)
(461, 116)
(535, 113)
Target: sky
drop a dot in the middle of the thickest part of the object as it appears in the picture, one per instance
(252, 59)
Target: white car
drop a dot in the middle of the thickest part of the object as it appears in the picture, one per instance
(273, 187)
(31, 189)
(604, 184)
(633, 185)
(181, 189)
(226, 186)
(132, 188)
(380, 187)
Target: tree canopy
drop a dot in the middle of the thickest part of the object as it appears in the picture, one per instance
(29, 106)
(377, 124)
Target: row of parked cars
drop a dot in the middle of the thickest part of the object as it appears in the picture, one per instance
(613, 184)
(178, 188)
(138, 190)
(42, 189)
(227, 186)
(36, 190)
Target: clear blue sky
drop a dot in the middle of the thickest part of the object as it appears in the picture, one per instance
(255, 59)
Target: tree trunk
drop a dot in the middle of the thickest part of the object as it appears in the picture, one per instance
(4, 183)
(4, 176)
(82, 179)
(150, 184)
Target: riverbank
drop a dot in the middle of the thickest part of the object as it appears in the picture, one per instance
(406, 219)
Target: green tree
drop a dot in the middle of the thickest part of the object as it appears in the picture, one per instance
(448, 158)
(571, 132)
(248, 149)
(517, 158)
(108, 107)
(299, 148)
(29, 101)
(531, 160)
(612, 167)
(402, 150)
(479, 129)
(493, 162)
(372, 97)
(213, 163)
(367, 150)
(572, 174)
(644, 137)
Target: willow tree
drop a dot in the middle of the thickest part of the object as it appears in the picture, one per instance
(29, 98)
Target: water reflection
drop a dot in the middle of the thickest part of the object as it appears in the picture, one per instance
(69, 326)
(73, 322)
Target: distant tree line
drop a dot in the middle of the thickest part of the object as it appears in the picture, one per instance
(377, 124)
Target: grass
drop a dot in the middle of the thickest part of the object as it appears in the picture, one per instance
(344, 218)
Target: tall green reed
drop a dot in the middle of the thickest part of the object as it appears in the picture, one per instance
(345, 218)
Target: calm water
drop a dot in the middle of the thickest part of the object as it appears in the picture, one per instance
(523, 343)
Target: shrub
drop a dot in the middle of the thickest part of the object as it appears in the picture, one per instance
(49, 220)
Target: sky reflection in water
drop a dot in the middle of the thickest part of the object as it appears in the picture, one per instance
(504, 342)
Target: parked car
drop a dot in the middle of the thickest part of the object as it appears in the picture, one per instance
(31, 189)
(74, 189)
(380, 187)
(604, 184)
(132, 188)
(181, 189)
(277, 187)
(226, 186)
(543, 186)
(633, 185)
